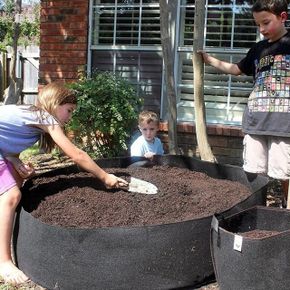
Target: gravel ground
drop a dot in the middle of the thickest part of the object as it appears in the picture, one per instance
(45, 162)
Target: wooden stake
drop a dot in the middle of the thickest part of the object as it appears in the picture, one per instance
(288, 198)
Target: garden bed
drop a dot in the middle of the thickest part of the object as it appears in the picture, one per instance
(80, 200)
(156, 241)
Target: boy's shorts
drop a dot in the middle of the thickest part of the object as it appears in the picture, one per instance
(7, 180)
(267, 154)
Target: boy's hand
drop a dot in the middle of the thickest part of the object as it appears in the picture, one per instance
(204, 55)
(149, 155)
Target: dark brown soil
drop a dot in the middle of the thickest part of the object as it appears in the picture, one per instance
(80, 200)
(258, 234)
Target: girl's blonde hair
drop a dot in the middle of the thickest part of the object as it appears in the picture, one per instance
(49, 98)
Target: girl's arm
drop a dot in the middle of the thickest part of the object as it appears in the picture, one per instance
(226, 67)
(82, 158)
(24, 170)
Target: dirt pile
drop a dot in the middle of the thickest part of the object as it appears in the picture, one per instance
(80, 200)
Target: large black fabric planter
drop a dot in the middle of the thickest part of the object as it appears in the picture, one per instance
(169, 256)
(252, 263)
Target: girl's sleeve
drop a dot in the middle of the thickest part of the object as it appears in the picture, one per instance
(50, 120)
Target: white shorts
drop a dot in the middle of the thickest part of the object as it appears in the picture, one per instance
(267, 155)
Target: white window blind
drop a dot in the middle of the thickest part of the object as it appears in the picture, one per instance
(142, 68)
(127, 22)
(125, 39)
(229, 32)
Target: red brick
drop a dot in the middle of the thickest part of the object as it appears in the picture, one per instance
(211, 130)
(218, 141)
(60, 75)
(61, 4)
(185, 127)
(60, 39)
(228, 149)
(53, 60)
(226, 131)
(57, 67)
(163, 126)
(63, 46)
(76, 31)
(219, 130)
(59, 54)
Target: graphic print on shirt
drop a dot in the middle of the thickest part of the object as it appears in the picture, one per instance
(271, 91)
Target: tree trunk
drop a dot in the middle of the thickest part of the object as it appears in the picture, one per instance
(198, 69)
(167, 51)
(13, 92)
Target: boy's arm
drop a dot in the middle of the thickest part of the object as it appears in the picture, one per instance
(226, 67)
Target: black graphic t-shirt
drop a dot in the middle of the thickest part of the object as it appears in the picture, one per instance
(268, 110)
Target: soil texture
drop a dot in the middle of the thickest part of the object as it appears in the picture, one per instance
(259, 234)
(80, 200)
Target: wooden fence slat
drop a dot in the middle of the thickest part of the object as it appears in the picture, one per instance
(3, 75)
(27, 69)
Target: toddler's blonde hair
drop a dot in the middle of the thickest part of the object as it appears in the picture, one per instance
(148, 117)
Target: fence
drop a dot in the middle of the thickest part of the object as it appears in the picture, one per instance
(27, 67)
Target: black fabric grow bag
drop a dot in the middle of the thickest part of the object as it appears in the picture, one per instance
(256, 263)
(167, 256)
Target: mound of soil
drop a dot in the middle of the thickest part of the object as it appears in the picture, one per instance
(80, 200)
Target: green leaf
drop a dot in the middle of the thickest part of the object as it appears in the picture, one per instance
(106, 115)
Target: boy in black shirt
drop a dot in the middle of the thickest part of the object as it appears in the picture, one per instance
(266, 120)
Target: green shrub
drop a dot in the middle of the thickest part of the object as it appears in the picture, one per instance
(106, 114)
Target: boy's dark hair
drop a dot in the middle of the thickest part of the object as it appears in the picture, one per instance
(274, 6)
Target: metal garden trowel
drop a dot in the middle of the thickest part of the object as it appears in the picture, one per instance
(140, 186)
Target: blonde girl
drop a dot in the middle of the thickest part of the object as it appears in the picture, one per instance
(21, 126)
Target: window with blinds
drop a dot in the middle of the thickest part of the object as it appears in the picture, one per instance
(127, 23)
(125, 38)
(229, 32)
(142, 68)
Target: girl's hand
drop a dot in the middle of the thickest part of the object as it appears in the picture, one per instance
(24, 170)
(113, 181)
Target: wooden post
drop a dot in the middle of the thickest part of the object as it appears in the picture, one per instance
(198, 69)
(288, 197)
(169, 75)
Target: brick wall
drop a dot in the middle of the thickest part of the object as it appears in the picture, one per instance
(226, 141)
(63, 40)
